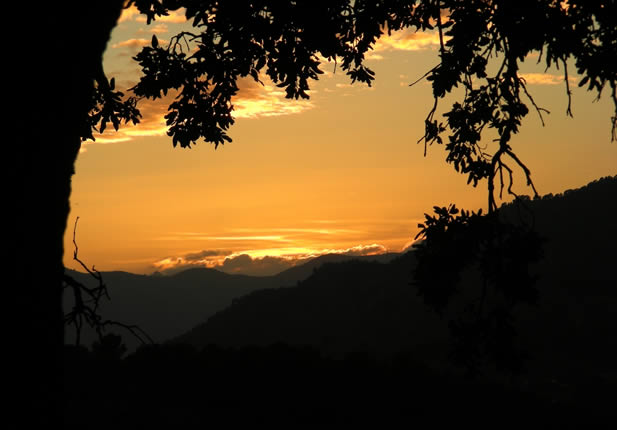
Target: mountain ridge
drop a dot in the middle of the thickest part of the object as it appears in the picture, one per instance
(371, 307)
(167, 305)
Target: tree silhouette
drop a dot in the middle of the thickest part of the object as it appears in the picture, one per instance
(501, 254)
(58, 93)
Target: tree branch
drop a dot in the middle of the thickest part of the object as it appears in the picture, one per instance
(86, 310)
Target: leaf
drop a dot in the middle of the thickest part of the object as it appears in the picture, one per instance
(583, 81)
(155, 41)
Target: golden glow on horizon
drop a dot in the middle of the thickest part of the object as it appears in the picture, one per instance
(278, 258)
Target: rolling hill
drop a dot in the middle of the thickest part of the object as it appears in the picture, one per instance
(166, 306)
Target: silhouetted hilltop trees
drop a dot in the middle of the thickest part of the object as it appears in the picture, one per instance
(579, 225)
(572, 328)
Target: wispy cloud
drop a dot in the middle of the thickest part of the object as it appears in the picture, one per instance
(405, 40)
(205, 258)
(174, 17)
(152, 123)
(129, 14)
(229, 238)
(318, 231)
(255, 100)
(545, 79)
(157, 28)
(252, 101)
(269, 238)
(264, 266)
(132, 43)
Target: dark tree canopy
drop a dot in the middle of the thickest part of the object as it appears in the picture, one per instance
(482, 45)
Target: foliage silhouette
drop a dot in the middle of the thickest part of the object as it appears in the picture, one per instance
(286, 41)
(502, 253)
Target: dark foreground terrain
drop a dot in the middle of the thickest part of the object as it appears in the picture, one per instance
(294, 388)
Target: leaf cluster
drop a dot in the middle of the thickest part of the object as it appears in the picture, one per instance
(481, 34)
(501, 254)
(286, 41)
(109, 105)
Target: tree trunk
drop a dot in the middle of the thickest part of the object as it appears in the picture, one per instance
(50, 89)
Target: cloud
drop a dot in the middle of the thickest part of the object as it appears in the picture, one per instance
(201, 255)
(405, 40)
(206, 258)
(255, 100)
(132, 43)
(362, 250)
(230, 263)
(152, 123)
(174, 17)
(545, 79)
(271, 265)
(132, 14)
(158, 29)
(252, 101)
(264, 266)
(373, 56)
(257, 262)
(129, 14)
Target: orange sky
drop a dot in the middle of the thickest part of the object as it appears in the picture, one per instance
(340, 172)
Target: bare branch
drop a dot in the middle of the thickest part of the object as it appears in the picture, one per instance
(525, 169)
(568, 91)
(539, 110)
(442, 47)
(423, 76)
(427, 123)
(614, 118)
(86, 309)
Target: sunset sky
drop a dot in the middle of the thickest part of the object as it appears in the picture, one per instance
(340, 172)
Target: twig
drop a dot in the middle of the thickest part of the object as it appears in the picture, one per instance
(427, 121)
(423, 76)
(614, 118)
(442, 47)
(86, 309)
(539, 110)
(565, 71)
(525, 169)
